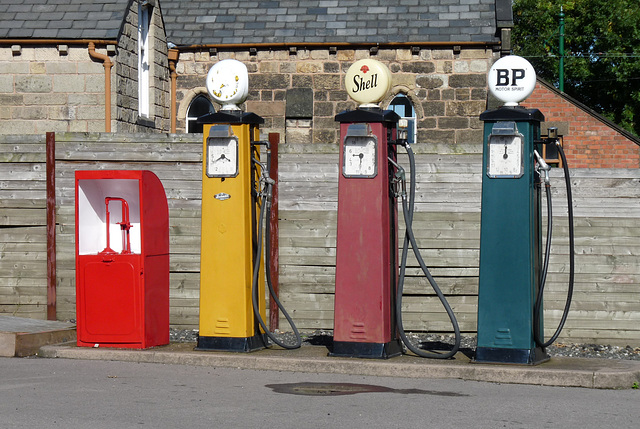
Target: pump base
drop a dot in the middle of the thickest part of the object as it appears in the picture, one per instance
(231, 344)
(367, 350)
(516, 356)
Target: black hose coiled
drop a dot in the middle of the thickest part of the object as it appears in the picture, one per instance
(409, 237)
(538, 304)
(256, 273)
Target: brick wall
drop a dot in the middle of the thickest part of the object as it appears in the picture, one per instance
(448, 90)
(589, 142)
(43, 89)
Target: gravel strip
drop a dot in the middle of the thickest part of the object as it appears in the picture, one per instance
(468, 344)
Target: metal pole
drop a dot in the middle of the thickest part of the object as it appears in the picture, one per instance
(561, 65)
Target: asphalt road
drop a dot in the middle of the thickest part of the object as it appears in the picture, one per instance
(52, 393)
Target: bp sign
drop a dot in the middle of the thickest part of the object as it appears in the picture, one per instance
(512, 79)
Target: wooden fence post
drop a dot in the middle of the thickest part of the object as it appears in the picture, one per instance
(274, 313)
(51, 225)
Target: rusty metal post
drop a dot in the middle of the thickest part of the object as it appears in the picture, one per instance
(274, 313)
(51, 225)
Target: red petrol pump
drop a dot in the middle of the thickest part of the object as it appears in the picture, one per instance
(366, 247)
(368, 290)
(236, 197)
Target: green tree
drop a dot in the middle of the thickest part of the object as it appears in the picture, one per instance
(602, 51)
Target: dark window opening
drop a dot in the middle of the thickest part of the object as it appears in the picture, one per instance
(199, 106)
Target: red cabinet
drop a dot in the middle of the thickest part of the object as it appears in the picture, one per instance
(122, 259)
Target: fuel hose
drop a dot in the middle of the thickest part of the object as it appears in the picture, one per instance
(265, 207)
(408, 210)
(538, 303)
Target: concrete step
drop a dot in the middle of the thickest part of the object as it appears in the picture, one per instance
(20, 336)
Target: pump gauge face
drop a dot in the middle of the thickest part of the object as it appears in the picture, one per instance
(222, 157)
(505, 156)
(360, 156)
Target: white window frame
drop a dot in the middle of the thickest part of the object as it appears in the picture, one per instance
(144, 62)
(413, 123)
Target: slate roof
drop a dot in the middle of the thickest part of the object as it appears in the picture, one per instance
(326, 21)
(211, 22)
(61, 19)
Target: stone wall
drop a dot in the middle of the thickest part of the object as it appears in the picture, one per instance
(58, 87)
(448, 90)
(51, 88)
(127, 75)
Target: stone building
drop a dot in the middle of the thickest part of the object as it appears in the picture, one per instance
(83, 66)
(297, 53)
(56, 58)
(140, 66)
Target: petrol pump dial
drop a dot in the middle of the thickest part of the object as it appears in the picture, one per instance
(360, 156)
(222, 156)
(505, 156)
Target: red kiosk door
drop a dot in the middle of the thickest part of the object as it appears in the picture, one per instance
(110, 305)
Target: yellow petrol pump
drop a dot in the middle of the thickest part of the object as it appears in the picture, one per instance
(236, 191)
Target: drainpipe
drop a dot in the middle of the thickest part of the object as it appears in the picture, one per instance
(173, 59)
(106, 62)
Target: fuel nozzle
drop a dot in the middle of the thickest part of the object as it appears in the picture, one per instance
(542, 167)
(266, 180)
(399, 180)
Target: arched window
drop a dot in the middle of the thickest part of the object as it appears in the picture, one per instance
(403, 107)
(199, 106)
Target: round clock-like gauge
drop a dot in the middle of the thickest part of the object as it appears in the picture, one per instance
(228, 83)
(222, 157)
(505, 156)
(360, 157)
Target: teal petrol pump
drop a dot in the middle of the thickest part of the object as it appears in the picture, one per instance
(512, 266)
(510, 238)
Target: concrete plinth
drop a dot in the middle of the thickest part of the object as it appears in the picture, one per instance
(23, 337)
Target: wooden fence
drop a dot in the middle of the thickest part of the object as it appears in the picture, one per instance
(606, 304)
(23, 235)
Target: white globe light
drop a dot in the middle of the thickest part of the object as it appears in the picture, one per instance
(511, 79)
(228, 83)
(368, 82)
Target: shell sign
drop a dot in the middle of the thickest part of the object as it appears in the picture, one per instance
(368, 82)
